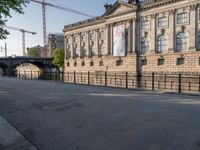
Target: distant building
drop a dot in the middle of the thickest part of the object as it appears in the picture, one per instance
(55, 41)
(35, 52)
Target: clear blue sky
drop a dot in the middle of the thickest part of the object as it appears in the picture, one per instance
(31, 20)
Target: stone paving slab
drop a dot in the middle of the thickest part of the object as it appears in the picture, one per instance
(11, 139)
(57, 116)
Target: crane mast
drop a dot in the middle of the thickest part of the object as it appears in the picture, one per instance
(23, 36)
(44, 27)
(44, 4)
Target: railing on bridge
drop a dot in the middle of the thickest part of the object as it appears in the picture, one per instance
(151, 81)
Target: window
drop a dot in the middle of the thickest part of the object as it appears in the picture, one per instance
(180, 61)
(101, 63)
(91, 63)
(119, 62)
(161, 62)
(101, 35)
(144, 45)
(91, 36)
(102, 49)
(68, 64)
(75, 64)
(181, 42)
(144, 62)
(68, 52)
(76, 39)
(83, 37)
(162, 22)
(161, 44)
(181, 18)
(83, 63)
(75, 55)
(68, 40)
(92, 50)
(145, 25)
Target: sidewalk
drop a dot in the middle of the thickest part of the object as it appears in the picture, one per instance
(11, 139)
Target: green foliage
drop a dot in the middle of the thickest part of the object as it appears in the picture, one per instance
(58, 57)
(5, 7)
(34, 52)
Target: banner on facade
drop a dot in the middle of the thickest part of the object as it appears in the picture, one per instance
(119, 40)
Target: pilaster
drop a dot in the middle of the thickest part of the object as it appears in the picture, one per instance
(171, 22)
(153, 34)
(192, 37)
(97, 41)
(130, 36)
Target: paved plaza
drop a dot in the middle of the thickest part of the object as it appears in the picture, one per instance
(46, 115)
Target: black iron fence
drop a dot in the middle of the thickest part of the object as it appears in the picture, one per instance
(152, 81)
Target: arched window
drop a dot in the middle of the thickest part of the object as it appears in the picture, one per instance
(161, 44)
(102, 49)
(68, 52)
(145, 45)
(75, 55)
(92, 50)
(181, 42)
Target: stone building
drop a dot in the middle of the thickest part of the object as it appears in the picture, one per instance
(55, 41)
(34, 52)
(149, 36)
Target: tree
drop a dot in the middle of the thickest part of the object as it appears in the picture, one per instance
(34, 52)
(58, 57)
(5, 7)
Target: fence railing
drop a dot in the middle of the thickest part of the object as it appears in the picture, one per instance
(151, 81)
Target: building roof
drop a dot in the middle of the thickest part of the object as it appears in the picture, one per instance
(132, 4)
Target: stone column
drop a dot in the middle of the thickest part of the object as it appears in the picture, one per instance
(79, 48)
(171, 24)
(88, 44)
(65, 44)
(111, 39)
(134, 35)
(153, 33)
(107, 39)
(72, 48)
(130, 36)
(97, 42)
(192, 36)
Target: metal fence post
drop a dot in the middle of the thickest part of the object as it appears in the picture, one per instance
(63, 75)
(106, 78)
(88, 78)
(165, 86)
(127, 80)
(31, 75)
(19, 74)
(25, 74)
(179, 83)
(199, 83)
(153, 79)
(74, 77)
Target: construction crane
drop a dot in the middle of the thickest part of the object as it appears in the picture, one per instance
(44, 4)
(23, 36)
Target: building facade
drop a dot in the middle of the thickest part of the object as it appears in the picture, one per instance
(149, 36)
(55, 41)
(35, 52)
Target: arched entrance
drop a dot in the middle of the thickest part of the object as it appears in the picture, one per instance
(28, 70)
